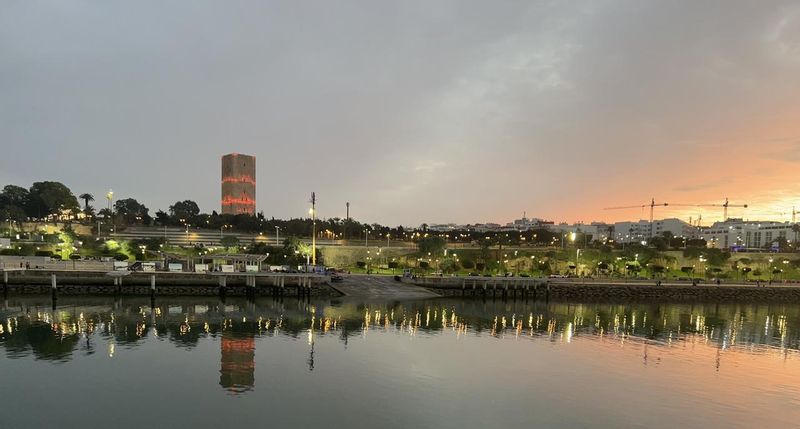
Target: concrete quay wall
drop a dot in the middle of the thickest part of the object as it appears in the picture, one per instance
(539, 289)
(140, 283)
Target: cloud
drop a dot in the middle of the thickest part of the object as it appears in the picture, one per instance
(473, 110)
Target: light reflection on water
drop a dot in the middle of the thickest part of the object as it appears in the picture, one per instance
(445, 363)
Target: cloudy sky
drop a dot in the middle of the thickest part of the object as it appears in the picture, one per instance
(414, 111)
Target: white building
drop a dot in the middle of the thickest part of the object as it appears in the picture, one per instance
(484, 227)
(526, 224)
(442, 227)
(629, 232)
(740, 235)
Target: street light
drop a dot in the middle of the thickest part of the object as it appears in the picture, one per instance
(313, 211)
(277, 235)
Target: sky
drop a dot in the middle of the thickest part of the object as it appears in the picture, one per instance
(415, 111)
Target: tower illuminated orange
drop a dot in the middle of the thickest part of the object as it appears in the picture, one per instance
(238, 184)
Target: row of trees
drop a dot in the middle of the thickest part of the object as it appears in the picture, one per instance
(42, 200)
(46, 201)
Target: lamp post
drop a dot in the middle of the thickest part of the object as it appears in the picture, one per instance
(366, 238)
(313, 229)
(277, 235)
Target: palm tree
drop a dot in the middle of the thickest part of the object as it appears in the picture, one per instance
(86, 197)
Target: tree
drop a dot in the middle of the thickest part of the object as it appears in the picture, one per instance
(432, 245)
(50, 198)
(448, 265)
(86, 197)
(186, 209)
(162, 217)
(660, 243)
(13, 195)
(132, 211)
(13, 202)
(796, 230)
(12, 212)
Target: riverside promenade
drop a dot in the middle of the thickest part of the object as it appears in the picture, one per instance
(99, 282)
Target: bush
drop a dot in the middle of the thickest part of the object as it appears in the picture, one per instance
(56, 256)
(43, 253)
(361, 264)
(468, 264)
(120, 257)
(424, 264)
(75, 257)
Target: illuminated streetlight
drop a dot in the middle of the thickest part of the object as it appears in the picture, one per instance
(313, 212)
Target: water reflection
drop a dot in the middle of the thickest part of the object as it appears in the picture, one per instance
(237, 362)
(82, 326)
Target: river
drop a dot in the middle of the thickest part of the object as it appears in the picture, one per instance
(439, 363)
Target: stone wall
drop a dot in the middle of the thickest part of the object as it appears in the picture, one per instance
(166, 284)
(616, 292)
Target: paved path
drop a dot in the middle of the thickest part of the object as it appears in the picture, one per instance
(380, 287)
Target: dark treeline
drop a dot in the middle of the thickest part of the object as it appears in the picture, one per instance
(53, 201)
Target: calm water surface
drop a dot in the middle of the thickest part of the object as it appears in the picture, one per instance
(199, 362)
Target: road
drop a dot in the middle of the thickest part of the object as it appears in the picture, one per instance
(380, 287)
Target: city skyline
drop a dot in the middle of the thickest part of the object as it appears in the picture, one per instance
(415, 113)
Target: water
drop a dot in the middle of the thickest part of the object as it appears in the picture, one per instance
(198, 362)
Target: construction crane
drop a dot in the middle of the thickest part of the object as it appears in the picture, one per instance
(652, 206)
(724, 206)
